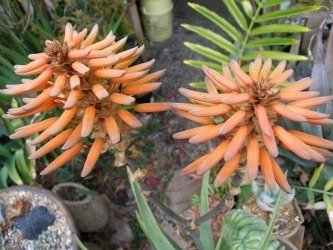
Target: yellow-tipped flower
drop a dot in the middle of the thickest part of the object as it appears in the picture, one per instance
(92, 82)
(250, 106)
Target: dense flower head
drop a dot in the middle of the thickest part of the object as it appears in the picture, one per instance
(250, 105)
(92, 83)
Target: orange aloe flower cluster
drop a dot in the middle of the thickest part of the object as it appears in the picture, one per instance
(250, 106)
(92, 82)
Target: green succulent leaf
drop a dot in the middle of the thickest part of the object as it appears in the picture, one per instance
(157, 237)
(3, 177)
(206, 234)
(12, 171)
(23, 167)
(315, 176)
(294, 11)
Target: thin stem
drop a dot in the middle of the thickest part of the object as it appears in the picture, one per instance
(249, 30)
(313, 190)
(196, 240)
(212, 213)
(164, 207)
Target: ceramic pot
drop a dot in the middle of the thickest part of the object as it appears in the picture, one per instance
(33, 194)
(89, 211)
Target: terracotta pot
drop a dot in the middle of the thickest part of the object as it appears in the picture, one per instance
(89, 211)
(54, 199)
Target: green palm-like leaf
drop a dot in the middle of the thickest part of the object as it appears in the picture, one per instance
(217, 20)
(270, 42)
(207, 52)
(274, 55)
(236, 13)
(213, 37)
(261, 31)
(286, 13)
(279, 28)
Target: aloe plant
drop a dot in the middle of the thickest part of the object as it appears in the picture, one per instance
(259, 31)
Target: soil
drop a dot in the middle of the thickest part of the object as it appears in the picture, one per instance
(286, 222)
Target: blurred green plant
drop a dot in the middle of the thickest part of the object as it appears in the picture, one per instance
(262, 29)
(317, 187)
(109, 15)
(21, 33)
(14, 166)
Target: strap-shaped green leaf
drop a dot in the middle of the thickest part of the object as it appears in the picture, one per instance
(294, 11)
(12, 171)
(279, 28)
(155, 233)
(207, 52)
(213, 37)
(271, 3)
(217, 20)
(270, 41)
(206, 234)
(198, 64)
(269, 232)
(236, 13)
(274, 55)
(22, 167)
(3, 177)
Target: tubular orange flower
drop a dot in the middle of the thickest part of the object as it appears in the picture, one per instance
(91, 82)
(250, 106)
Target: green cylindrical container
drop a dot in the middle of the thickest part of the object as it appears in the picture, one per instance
(157, 19)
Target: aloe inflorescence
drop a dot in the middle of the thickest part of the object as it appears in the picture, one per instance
(93, 84)
(243, 111)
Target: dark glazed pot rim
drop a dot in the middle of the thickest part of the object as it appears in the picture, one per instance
(56, 189)
(55, 200)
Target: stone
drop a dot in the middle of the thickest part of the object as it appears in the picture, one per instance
(2, 213)
(34, 222)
